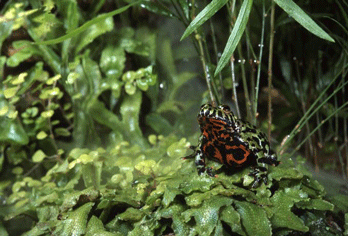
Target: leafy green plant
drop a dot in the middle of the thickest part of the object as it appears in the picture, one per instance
(94, 114)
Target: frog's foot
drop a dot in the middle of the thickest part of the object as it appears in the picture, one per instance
(260, 174)
(210, 172)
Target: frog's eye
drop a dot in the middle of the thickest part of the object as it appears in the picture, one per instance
(224, 107)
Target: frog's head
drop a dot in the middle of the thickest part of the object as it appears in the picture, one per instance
(221, 112)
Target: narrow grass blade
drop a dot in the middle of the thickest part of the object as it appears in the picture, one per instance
(303, 19)
(203, 16)
(236, 35)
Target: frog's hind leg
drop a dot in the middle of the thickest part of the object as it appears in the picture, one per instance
(201, 166)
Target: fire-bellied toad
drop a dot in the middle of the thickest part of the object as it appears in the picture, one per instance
(232, 142)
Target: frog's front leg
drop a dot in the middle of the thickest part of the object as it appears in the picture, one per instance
(260, 174)
(270, 159)
(200, 164)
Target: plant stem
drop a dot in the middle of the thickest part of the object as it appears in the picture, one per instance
(257, 86)
(233, 75)
(270, 61)
(207, 75)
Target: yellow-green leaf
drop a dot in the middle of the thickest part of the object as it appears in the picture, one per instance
(38, 156)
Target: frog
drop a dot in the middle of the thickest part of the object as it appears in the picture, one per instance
(232, 142)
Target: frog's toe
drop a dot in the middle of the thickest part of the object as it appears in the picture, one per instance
(210, 172)
(260, 174)
(258, 180)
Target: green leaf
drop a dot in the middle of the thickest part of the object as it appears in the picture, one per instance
(315, 204)
(235, 35)
(130, 110)
(303, 19)
(230, 216)
(3, 230)
(5, 31)
(75, 198)
(95, 30)
(44, 24)
(91, 174)
(157, 7)
(10, 92)
(75, 222)
(62, 132)
(96, 227)
(207, 215)
(131, 214)
(254, 219)
(85, 26)
(197, 183)
(203, 16)
(283, 217)
(178, 149)
(70, 12)
(112, 62)
(12, 131)
(38, 156)
(24, 50)
(175, 213)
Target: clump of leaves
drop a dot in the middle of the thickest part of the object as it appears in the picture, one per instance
(129, 191)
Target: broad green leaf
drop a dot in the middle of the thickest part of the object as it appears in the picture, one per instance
(315, 204)
(231, 216)
(72, 199)
(105, 117)
(254, 219)
(283, 217)
(236, 34)
(95, 227)
(91, 174)
(44, 24)
(203, 16)
(174, 212)
(75, 222)
(303, 19)
(197, 183)
(131, 214)
(340, 201)
(12, 131)
(130, 110)
(85, 26)
(207, 216)
(24, 50)
(169, 196)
